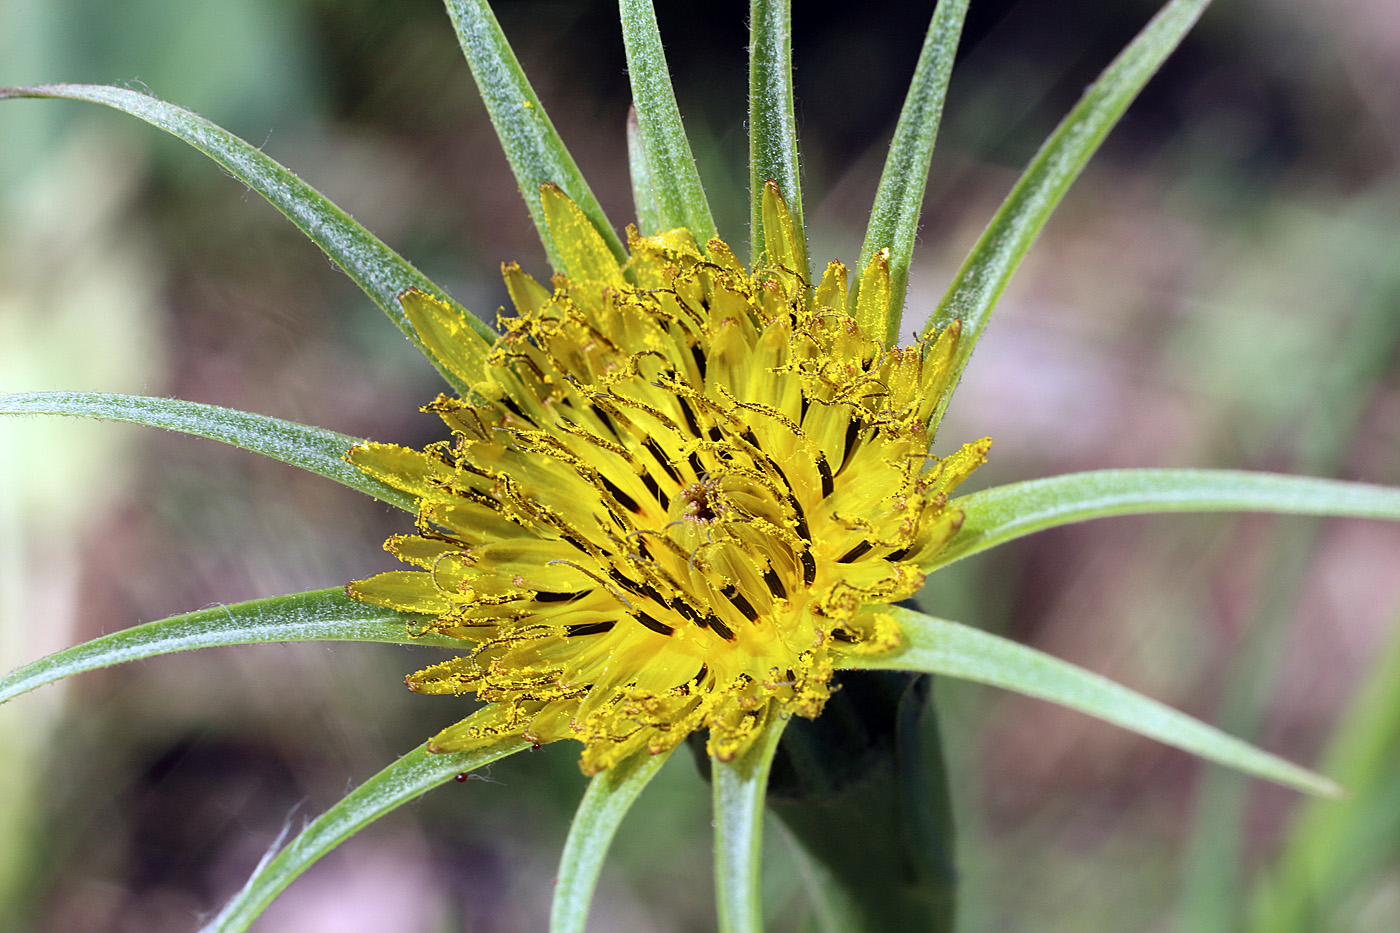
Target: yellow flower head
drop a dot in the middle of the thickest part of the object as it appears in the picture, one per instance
(666, 504)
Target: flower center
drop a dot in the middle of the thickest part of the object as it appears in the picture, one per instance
(701, 504)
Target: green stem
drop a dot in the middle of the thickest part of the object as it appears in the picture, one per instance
(739, 789)
(608, 798)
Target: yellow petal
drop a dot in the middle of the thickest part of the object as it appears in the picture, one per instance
(526, 294)
(958, 466)
(451, 677)
(873, 297)
(480, 729)
(581, 247)
(413, 471)
(782, 241)
(831, 293)
(408, 590)
(445, 334)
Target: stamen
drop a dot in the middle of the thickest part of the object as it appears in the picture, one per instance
(601, 582)
(545, 596)
(775, 583)
(660, 628)
(858, 551)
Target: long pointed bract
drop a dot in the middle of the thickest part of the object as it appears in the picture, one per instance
(316, 615)
(379, 271)
(401, 782)
(739, 789)
(675, 183)
(894, 218)
(987, 269)
(313, 449)
(937, 646)
(773, 123)
(644, 185)
(608, 798)
(1004, 513)
(536, 153)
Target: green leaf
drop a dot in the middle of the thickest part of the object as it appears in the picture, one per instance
(406, 779)
(739, 789)
(773, 123)
(317, 615)
(313, 449)
(382, 273)
(1002, 513)
(644, 184)
(608, 798)
(987, 269)
(669, 164)
(894, 219)
(936, 646)
(536, 154)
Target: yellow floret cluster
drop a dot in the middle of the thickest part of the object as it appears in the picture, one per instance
(672, 502)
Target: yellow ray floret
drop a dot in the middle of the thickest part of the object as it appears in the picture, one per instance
(668, 499)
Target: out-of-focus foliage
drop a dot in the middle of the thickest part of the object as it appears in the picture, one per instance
(1213, 293)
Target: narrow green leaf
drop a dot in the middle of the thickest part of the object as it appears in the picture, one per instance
(382, 273)
(644, 198)
(317, 615)
(536, 154)
(739, 789)
(675, 182)
(1002, 513)
(403, 781)
(1220, 840)
(773, 122)
(1339, 853)
(313, 449)
(936, 646)
(987, 269)
(608, 798)
(894, 219)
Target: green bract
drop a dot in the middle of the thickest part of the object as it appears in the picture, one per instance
(669, 194)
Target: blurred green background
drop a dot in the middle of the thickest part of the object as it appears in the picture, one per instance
(1222, 288)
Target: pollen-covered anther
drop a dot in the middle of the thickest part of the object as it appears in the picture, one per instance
(671, 502)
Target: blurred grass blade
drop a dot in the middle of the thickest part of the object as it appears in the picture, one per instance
(675, 183)
(739, 789)
(773, 123)
(536, 154)
(1219, 852)
(936, 646)
(313, 449)
(1003, 513)
(987, 269)
(608, 798)
(382, 273)
(894, 219)
(403, 781)
(316, 615)
(644, 196)
(1340, 853)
